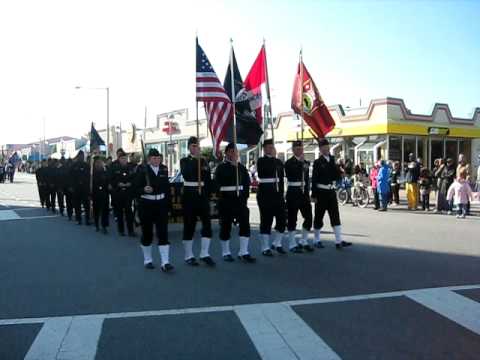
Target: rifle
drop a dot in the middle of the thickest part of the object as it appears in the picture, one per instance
(91, 185)
(147, 178)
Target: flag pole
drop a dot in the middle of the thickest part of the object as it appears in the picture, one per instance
(301, 112)
(199, 170)
(267, 87)
(232, 78)
(145, 118)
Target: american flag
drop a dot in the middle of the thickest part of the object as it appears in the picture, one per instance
(217, 103)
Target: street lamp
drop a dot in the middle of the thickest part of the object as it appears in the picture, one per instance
(108, 112)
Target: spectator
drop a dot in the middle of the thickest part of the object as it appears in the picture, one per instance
(395, 183)
(447, 176)
(412, 175)
(463, 166)
(383, 184)
(425, 182)
(461, 193)
(373, 183)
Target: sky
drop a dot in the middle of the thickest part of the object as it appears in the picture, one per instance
(144, 51)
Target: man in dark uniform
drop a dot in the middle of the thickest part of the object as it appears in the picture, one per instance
(121, 178)
(80, 179)
(196, 202)
(42, 183)
(298, 198)
(270, 198)
(232, 203)
(100, 195)
(50, 177)
(325, 175)
(68, 188)
(153, 189)
(61, 184)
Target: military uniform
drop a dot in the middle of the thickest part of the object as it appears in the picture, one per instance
(232, 206)
(298, 199)
(100, 198)
(79, 176)
(42, 183)
(325, 175)
(121, 181)
(195, 205)
(51, 179)
(68, 188)
(153, 210)
(61, 184)
(271, 201)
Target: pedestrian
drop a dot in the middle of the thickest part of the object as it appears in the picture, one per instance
(383, 184)
(50, 177)
(121, 176)
(233, 196)
(153, 189)
(42, 183)
(447, 176)
(80, 180)
(2, 173)
(69, 189)
(463, 166)
(298, 198)
(374, 185)
(197, 188)
(425, 185)
(460, 193)
(61, 184)
(412, 175)
(270, 198)
(395, 183)
(325, 175)
(99, 194)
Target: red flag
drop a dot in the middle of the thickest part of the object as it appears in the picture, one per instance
(315, 112)
(253, 83)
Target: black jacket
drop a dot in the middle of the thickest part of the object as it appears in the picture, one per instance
(79, 175)
(325, 173)
(270, 168)
(100, 183)
(121, 174)
(225, 175)
(189, 170)
(293, 172)
(159, 182)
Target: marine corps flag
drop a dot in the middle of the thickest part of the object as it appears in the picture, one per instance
(314, 112)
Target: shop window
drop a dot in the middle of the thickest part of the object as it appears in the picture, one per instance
(451, 150)
(436, 150)
(464, 147)
(420, 150)
(409, 147)
(395, 148)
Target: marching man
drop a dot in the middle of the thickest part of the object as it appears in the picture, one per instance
(153, 188)
(298, 198)
(196, 202)
(270, 198)
(232, 204)
(325, 175)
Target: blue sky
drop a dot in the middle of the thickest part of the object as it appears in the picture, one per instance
(421, 51)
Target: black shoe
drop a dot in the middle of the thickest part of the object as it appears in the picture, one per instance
(345, 243)
(192, 262)
(272, 247)
(228, 258)
(267, 252)
(296, 250)
(308, 248)
(149, 266)
(280, 250)
(247, 258)
(167, 267)
(300, 246)
(319, 245)
(208, 260)
(104, 231)
(338, 246)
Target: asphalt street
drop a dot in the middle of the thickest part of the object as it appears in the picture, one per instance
(409, 288)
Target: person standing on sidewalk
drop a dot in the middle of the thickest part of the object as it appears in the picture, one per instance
(383, 184)
(374, 185)
(395, 183)
(412, 176)
(425, 183)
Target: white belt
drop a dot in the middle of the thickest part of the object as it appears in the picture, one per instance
(231, 188)
(326, 187)
(268, 180)
(192, 183)
(295, 183)
(153, 197)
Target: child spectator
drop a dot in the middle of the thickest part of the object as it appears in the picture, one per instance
(425, 183)
(461, 194)
(373, 183)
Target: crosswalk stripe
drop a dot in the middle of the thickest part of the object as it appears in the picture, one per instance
(8, 215)
(458, 308)
(49, 339)
(279, 333)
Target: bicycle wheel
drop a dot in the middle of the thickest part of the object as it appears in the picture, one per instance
(342, 196)
(363, 198)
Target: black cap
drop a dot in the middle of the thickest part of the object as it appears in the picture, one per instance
(153, 152)
(323, 142)
(192, 140)
(80, 153)
(121, 153)
(230, 146)
(268, 142)
(297, 143)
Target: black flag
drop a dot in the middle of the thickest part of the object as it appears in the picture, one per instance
(95, 140)
(248, 129)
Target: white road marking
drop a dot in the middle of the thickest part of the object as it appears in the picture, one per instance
(49, 339)
(8, 215)
(279, 333)
(458, 308)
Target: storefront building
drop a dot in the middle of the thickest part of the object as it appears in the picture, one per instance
(386, 129)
